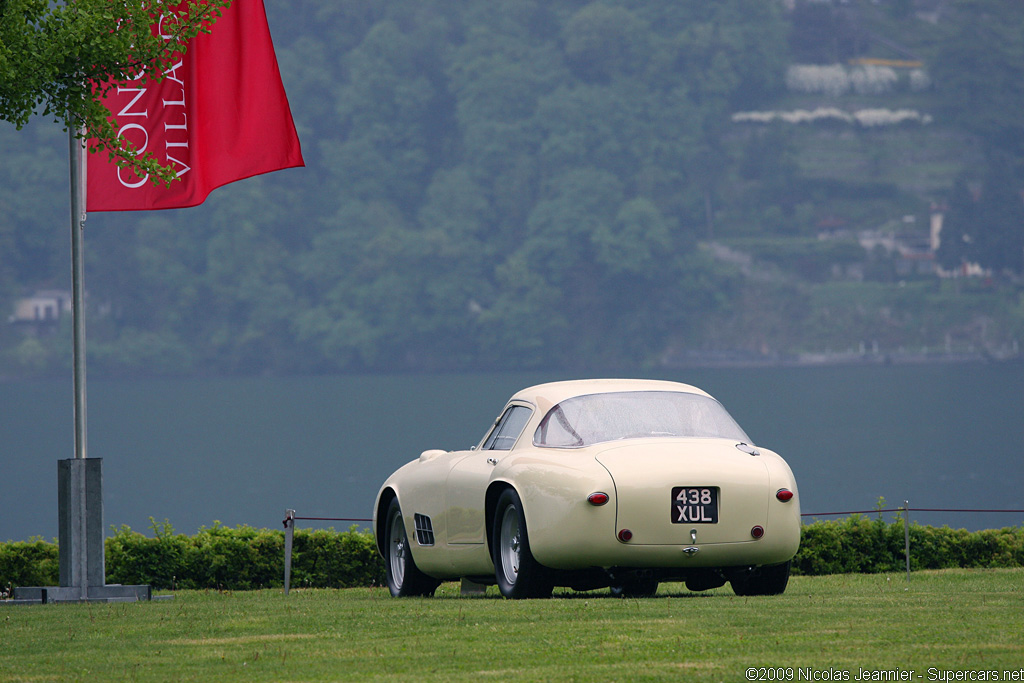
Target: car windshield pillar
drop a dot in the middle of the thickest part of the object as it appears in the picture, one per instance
(508, 428)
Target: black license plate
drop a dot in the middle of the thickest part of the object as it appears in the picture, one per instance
(695, 504)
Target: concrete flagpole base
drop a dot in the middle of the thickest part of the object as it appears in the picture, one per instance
(80, 539)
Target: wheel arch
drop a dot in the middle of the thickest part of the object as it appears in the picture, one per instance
(494, 491)
(383, 503)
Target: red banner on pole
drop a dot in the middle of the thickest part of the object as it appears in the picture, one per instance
(220, 115)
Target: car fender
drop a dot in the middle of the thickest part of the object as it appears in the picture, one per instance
(415, 486)
(784, 520)
(554, 495)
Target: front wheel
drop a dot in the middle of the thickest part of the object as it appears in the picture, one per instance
(770, 580)
(404, 578)
(518, 574)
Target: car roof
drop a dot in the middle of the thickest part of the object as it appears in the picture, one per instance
(544, 396)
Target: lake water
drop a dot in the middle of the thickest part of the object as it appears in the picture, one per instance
(241, 451)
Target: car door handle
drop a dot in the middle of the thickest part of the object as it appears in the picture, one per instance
(493, 461)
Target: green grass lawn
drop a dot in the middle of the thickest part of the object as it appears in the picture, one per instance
(822, 626)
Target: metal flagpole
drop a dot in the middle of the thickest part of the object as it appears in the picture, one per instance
(79, 494)
(78, 215)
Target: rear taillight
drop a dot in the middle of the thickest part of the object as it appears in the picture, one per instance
(625, 535)
(785, 495)
(757, 531)
(597, 498)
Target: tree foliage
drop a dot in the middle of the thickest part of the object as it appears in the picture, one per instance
(508, 185)
(64, 58)
(985, 225)
(979, 71)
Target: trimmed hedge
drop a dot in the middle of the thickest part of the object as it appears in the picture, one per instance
(246, 558)
(217, 557)
(861, 545)
(28, 563)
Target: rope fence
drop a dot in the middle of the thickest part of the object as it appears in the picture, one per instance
(906, 510)
(290, 517)
(328, 519)
(899, 509)
(289, 535)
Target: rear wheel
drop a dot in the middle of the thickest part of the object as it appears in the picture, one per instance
(769, 580)
(404, 578)
(518, 574)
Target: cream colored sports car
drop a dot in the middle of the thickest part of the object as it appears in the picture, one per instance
(593, 484)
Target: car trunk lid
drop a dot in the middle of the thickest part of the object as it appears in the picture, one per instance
(665, 490)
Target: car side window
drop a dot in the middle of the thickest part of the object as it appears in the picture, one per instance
(508, 429)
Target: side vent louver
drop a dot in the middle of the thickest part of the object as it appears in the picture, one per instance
(424, 531)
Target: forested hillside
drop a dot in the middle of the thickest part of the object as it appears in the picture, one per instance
(568, 184)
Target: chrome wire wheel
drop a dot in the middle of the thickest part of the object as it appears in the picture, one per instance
(508, 545)
(397, 544)
(517, 572)
(404, 578)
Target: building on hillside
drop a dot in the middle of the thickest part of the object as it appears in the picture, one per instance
(44, 306)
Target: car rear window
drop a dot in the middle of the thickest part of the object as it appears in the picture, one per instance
(596, 418)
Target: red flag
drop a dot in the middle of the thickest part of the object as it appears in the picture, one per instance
(221, 115)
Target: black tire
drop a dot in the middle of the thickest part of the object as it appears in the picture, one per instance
(404, 578)
(638, 588)
(771, 580)
(518, 574)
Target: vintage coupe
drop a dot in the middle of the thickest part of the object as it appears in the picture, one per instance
(590, 484)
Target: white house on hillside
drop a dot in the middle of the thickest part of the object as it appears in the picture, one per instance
(45, 305)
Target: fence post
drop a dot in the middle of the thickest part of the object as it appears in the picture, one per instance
(289, 533)
(906, 534)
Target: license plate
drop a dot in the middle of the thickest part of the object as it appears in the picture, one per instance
(695, 504)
